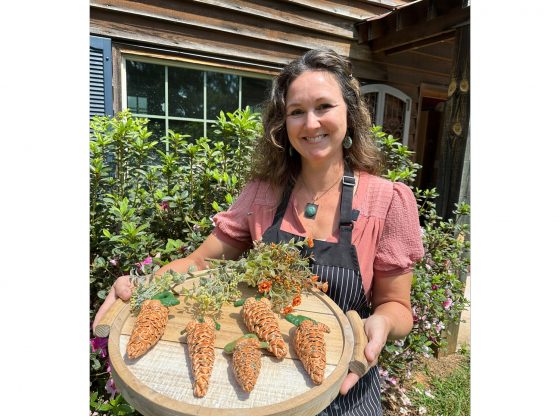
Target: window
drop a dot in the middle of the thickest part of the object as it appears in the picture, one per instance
(395, 117)
(185, 99)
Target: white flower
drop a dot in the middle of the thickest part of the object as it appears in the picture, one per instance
(405, 400)
(422, 410)
(427, 325)
(403, 411)
(429, 394)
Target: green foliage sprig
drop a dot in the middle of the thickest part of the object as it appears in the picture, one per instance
(219, 286)
(153, 287)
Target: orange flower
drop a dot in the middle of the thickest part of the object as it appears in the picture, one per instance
(265, 286)
(287, 310)
(314, 278)
(296, 301)
(325, 287)
(310, 242)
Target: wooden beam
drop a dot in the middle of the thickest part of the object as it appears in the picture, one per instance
(343, 8)
(421, 31)
(188, 14)
(421, 43)
(386, 4)
(288, 15)
(191, 39)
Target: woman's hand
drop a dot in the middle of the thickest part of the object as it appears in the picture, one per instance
(121, 289)
(377, 329)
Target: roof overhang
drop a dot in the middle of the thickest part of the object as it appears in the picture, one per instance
(414, 25)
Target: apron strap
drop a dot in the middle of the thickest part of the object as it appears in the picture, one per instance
(346, 225)
(282, 207)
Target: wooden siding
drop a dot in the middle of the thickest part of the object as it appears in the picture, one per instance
(272, 33)
(260, 31)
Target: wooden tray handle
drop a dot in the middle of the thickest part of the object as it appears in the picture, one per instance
(359, 364)
(103, 328)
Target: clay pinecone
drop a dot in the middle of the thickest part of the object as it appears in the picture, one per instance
(247, 363)
(200, 341)
(260, 319)
(148, 329)
(310, 347)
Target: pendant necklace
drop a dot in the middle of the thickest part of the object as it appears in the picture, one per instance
(311, 208)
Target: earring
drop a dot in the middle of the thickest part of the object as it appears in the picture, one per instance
(291, 151)
(347, 142)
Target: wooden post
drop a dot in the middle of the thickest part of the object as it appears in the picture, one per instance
(456, 126)
(453, 183)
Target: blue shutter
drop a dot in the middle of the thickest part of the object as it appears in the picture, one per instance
(100, 77)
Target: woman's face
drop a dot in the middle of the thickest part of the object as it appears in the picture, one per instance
(316, 117)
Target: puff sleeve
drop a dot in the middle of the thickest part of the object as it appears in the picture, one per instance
(232, 226)
(400, 244)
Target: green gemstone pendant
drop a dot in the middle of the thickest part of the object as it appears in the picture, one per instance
(310, 210)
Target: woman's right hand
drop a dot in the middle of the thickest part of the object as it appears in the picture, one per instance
(121, 289)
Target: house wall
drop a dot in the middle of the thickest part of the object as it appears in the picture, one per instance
(263, 36)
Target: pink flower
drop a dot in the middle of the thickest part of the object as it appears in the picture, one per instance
(164, 206)
(439, 327)
(98, 343)
(147, 260)
(111, 388)
(434, 287)
(114, 262)
(447, 304)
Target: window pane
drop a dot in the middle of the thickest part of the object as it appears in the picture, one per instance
(194, 128)
(186, 89)
(393, 119)
(254, 92)
(157, 127)
(222, 93)
(145, 88)
(210, 127)
(371, 101)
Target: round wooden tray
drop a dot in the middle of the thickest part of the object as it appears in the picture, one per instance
(160, 382)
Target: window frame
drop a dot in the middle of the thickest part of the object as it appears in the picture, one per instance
(187, 65)
(382, 90)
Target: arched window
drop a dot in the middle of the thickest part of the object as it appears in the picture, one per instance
(396, 105)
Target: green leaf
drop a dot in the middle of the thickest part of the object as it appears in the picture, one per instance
(166, 298)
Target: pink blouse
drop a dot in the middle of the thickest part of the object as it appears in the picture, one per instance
(386, 234)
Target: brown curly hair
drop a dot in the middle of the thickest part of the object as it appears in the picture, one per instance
(271, 159)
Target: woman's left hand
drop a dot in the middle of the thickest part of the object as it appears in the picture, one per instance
(377, 330)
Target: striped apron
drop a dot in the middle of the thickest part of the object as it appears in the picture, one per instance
(337, 264)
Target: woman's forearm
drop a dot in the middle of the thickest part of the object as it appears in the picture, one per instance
(398, 318)
(211, 248)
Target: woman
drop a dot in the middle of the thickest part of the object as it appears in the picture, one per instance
(315, 175)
